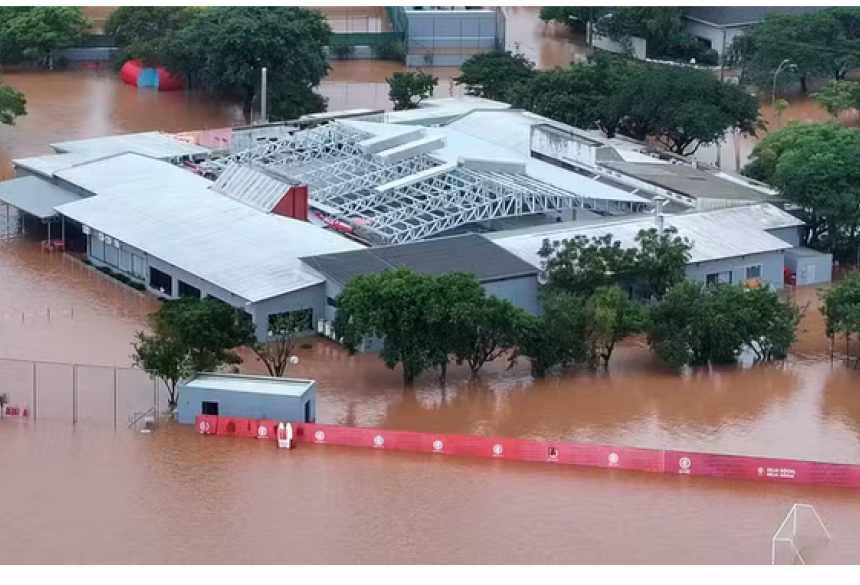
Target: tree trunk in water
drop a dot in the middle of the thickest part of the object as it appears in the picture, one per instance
(248, 104)
(803, 84)
(443, 372)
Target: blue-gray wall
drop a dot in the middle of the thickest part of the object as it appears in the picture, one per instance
(788, 234)
(312, 298)
(521, 292)
(809, 266)
(449, 37)
(772, 264)
(245, 405)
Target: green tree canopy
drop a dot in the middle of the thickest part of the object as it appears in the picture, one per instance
(814, 167)
(12, 104)
(610, 317)
(581, 265)
(820, 44)
(145, 32)
(35, 31)
(224, 48)
(488, 330)
(682, 108)
(491, 75)
(841, 310)
(407, 90)
(556, 337)
(696, 324)
(838, 96)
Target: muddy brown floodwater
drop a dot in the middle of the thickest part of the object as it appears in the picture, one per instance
(94, 493)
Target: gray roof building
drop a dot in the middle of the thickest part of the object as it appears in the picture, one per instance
(468, 253)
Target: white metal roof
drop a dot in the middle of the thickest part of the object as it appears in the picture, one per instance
(173, 215)
(35, 196)
(723, 233)
(251, 186)
(154, 144)
(51, 163)
(128, 172)
(251, 384)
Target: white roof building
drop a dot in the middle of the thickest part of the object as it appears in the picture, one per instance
(152, 144)
(173, 215)
(715, 235)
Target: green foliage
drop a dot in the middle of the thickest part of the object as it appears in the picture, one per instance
(491, 75)
(821, 44)
(422, 320)
(343, 51)
(573, 17)
(813, 166)
(391, 51)
(838, 96)
(406, 90)
(33, 32)
(841, 310)
(145, 32)
(697, 325)
(556, 337)
(12, 104)
(190, 336)
(224, 48)
(682, 108)
(486, 331)
(582, 265)
(284, 332)
(610, 317)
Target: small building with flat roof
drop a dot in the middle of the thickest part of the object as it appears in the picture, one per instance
(240, 396)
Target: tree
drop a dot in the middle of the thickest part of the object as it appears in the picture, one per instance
(586, 95)
(581, 265)
(574, 17)
(556, 337)
(145, 32)
(697, 324)
(37, 31)
(813, 166)
(610, 317)
(492, 75)
(284, 332)
(12, 104)
(838, 96)
(395, 307)
(224, 48)
(687, 108)
(406, 90)
(820, 44)
(162, 356)
(841, 310)
(487, 332)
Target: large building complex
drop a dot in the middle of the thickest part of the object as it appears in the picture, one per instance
(461, 185)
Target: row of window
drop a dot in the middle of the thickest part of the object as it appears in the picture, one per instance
(750, 273)
(119, 258)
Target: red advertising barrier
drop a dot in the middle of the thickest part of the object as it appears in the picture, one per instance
(563, 453)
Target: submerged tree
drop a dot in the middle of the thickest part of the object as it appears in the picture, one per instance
(556, 337)
(841, 310)
(12, 104)
(407, 90)
(488, 331)
(162, 356)
(35, 32)
(492, 75)
(284, 333)
(145, 32)
(224, 48)
(610, 318)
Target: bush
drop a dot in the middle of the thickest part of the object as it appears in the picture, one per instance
(105, 270)
(306, 346)
(393, 51)
(343, 51)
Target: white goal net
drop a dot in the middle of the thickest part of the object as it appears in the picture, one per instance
(800, 538)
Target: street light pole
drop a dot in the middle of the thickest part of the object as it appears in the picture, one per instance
(775, 75)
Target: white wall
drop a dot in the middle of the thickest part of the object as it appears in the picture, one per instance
(637, 49)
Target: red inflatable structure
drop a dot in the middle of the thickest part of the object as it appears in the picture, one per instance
(556, 452)
(136, 73)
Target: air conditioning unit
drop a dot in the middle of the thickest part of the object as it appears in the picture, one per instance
(116, 243)
(321, 326)
(101, 237)
(85, 229)
(108, 240)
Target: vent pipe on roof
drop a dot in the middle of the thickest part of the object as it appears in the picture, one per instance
(659, 218)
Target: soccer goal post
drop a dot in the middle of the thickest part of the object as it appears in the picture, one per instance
(800, 533)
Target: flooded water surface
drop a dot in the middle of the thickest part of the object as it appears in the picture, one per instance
(97, 492)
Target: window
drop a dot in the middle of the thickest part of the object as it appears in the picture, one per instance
(330, 302)
(718, 277)
(137, 266)
(97, 248)
(210, 409)
(160, 281)
(111, 255)
(186, 290)
(753, 271)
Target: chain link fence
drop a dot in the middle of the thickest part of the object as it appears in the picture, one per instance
(82, 393)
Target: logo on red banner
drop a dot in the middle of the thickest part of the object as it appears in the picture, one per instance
(613, 459)
(498, 450)
(684, 463)
(319, 436)
(205, 426)
(437, 445)
(262, 431)
(378, 441)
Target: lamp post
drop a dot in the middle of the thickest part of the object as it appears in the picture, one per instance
(785, 62)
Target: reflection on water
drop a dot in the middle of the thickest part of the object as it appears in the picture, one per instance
(92, 494)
